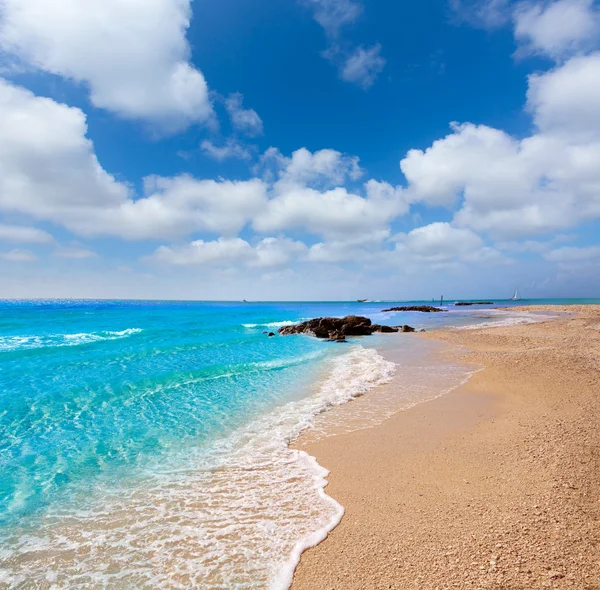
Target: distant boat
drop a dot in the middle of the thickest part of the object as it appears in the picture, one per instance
(362, 300)
(515, 297)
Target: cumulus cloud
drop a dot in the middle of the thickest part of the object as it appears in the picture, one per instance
(48, 168)
(363, 66)
(131, 54)
(245, 121)
(357, 247)
(321, 168)
(331, 213)
(565, 101)
(441, 244)
(49, 171)
(307, 196)
(18, 255)
(513, 187)
(557, 29)
(20, 234)
(268, 253)
(181, 205)
(304, 195)
(230, 149)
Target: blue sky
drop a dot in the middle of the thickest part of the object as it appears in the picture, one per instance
(299, 149)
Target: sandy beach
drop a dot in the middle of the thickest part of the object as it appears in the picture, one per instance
(494, 485)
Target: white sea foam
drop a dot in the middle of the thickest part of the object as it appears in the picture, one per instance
(237, 515)
(501, 318)
(9, 343)
(273, 324)
(425, 372)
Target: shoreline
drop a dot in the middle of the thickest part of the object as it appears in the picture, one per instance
(457, 491)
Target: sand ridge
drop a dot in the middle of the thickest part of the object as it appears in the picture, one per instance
(495, 485)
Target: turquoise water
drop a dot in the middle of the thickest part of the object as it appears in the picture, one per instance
(144, 444)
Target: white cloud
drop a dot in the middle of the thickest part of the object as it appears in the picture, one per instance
(334, 213)
(557, 29)
(520, 187)
(274, 252)
(363, 66)
(231, 149)
(470, 155)
(48, 170)
(18, 255)
(199, 252)
(243, 120)
(268, 253)
(20, 234)
(485, 14)
(324, 168)
(534, 246)
(358, 247)
(357, 65)
(440, 243)
(332, 15)
(74, 253)
(574, 254)
(132, 54)
(565, 101)
(181, 205)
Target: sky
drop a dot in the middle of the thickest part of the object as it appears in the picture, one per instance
(299, 149)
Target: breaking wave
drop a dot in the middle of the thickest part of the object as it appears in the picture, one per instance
(10, 343)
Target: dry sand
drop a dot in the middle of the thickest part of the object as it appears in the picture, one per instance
(495, 485)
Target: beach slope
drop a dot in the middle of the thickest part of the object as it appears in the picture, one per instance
(495, 485)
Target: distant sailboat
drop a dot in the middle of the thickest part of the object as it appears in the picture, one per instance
(362, 300)
(515, 297)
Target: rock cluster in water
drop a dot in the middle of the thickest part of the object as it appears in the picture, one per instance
(463, 303)
(422, 308)
(337, 329)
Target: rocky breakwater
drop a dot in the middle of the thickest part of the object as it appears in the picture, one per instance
(337, 329)
(465, 303)
(421, 308)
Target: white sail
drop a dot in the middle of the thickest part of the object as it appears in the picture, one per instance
(515, 297)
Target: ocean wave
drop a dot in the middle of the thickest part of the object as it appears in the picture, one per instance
(238, 514)
(11, 343)
(273, 324)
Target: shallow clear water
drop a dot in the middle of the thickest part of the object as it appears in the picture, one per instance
(144, 444)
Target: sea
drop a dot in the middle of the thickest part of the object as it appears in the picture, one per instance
(146, 444)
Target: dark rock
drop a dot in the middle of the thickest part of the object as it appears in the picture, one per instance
(421, 308)
(332, 328)
(407, 329)
(422, 330)
(463, 303)
(338, 329)
(271, 334)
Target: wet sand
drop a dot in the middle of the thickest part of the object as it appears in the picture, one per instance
(494, 485)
